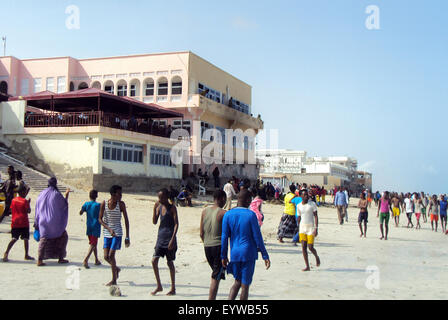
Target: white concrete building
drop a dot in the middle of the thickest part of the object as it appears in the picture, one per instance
(289, 166)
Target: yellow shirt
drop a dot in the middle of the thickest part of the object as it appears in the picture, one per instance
(290, 208)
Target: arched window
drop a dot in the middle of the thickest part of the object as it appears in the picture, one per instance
(72, 86)
(162, 87)
(4, 87)
(82, 86)
(176, 86)
(122, 88)
(109, 87)
(135, 88)
(96, 85)
(149, 87)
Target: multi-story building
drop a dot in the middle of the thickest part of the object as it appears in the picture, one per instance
(206, 96)
(288, 166)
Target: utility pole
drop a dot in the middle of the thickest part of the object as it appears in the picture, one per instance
(4, 46)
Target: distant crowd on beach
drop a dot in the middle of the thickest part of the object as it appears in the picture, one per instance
(221, 223)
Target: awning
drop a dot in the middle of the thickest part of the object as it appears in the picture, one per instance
(93, 99)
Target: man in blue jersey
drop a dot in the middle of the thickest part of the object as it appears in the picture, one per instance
(241, 226)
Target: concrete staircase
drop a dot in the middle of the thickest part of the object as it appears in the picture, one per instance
(35, 180)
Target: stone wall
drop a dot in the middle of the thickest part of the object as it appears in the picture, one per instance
(103, 182)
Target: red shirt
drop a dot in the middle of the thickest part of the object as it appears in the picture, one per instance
(19, 209)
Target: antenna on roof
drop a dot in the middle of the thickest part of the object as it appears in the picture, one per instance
(4, 46)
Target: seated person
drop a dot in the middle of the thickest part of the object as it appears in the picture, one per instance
(184, 198)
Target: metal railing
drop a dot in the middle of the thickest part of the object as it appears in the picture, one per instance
(96, 118)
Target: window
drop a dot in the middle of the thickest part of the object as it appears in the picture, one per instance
(122, 90)
(161, 157)
(62, 84)
(118, 151)
(163, 87)
(204, 127)
(149, 91)
(210, 93)
(176, 87)
(133, 90)
(50, 84)
(25, 87)
(109, 89)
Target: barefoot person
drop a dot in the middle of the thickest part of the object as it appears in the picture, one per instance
(51, 221)
(409, 208)
(241, 226)
(443, 212)
(363, 214)
(396, 209)
(385, 207)
(434, 212)
(210, 233)
(92, 208)
(308, 228)
(20, 225)
(110, 218)
(166, 240)
(418, 210)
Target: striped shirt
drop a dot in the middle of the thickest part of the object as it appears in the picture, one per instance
(113, 220)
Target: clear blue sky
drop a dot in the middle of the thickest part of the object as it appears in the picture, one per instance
(329, 84)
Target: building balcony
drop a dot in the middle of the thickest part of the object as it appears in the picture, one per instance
(221, 110)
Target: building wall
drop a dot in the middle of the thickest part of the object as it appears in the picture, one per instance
(210, 75)
(12, 115)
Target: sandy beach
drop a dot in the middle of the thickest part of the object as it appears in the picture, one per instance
(412, 264)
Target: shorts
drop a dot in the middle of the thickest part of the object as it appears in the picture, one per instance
(20, 233)
(93, 241)
(418, 215)
(113, 243)
(363, 217)
(396, 212)
(434, 217)
(162, 252)
(307, 238)
(242, 271)
(213, 255)
(384, 217)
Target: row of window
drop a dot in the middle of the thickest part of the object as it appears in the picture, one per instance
(118, 151)
(248, 144)
(219, 97)
(162, 90)
(161, 157)
(125, 152)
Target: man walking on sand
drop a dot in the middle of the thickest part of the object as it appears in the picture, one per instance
(241, 226)
(409, 208)
(396, 209)
(230, 193)
(308, 228)
(340, 201)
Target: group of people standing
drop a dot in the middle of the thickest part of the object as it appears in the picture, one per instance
(394, 205)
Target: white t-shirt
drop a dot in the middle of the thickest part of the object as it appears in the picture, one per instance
(306, 212)
(408, 203)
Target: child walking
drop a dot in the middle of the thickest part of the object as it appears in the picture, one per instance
(166, 240)
(92, 208)
(110, 219)
(20, 225)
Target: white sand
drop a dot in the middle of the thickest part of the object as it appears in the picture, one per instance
(412, 264)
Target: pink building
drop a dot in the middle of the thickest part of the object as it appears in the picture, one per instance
(207, 96)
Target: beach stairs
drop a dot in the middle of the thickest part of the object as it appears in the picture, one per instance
(37, 181)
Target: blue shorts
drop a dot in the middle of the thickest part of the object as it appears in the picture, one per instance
(113, 243)
(242, 271)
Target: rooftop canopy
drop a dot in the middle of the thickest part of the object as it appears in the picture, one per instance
(96, 100)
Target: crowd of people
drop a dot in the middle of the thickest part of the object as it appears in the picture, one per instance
(220, 224)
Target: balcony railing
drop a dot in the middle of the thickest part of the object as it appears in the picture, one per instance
(96, 118)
